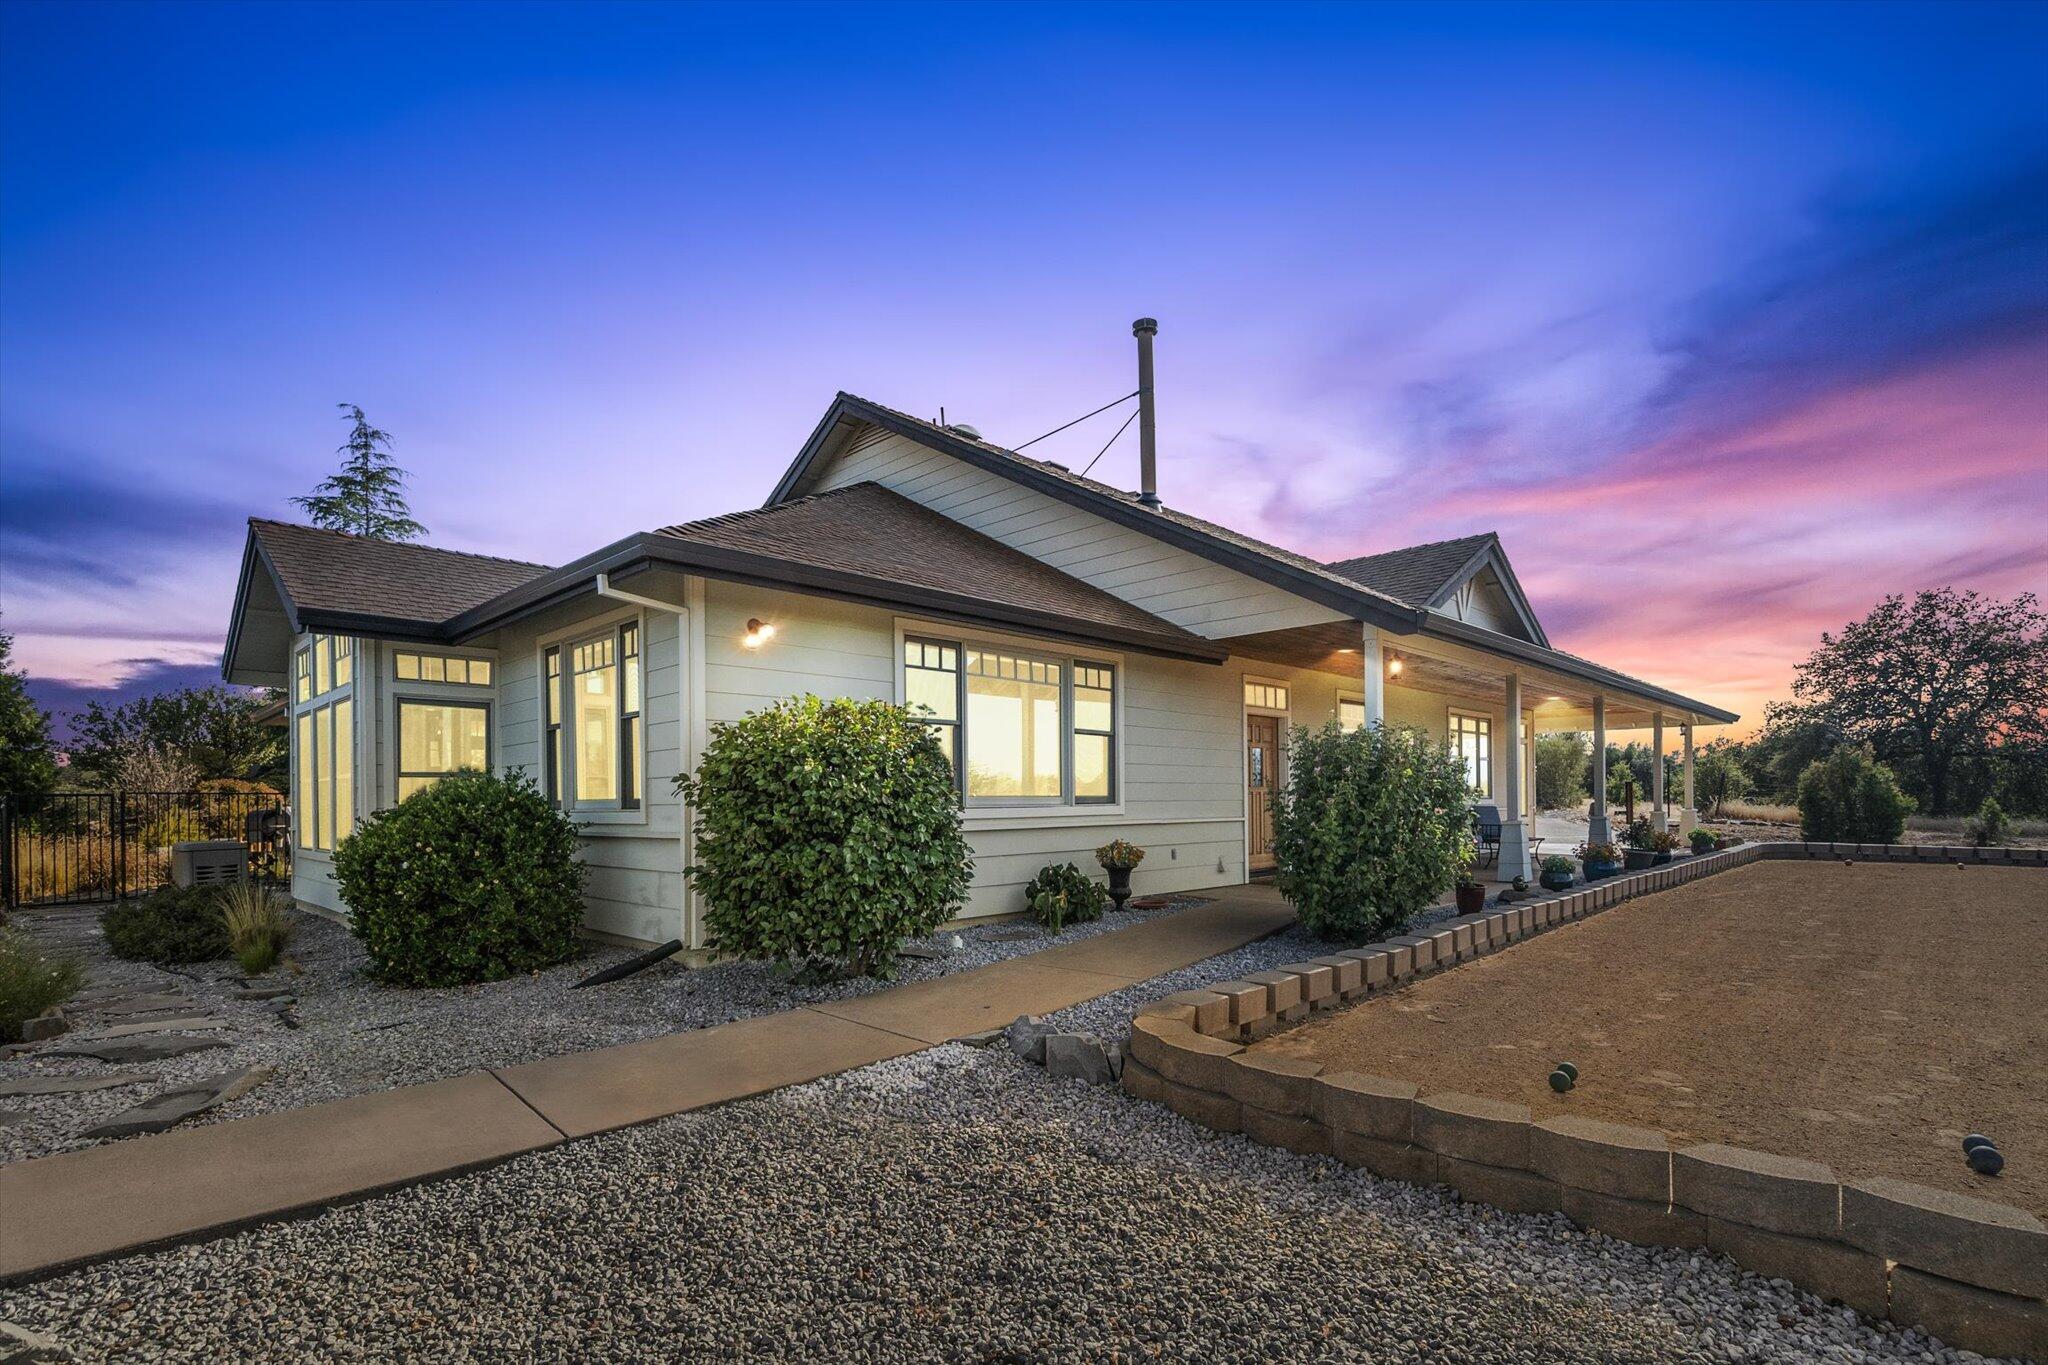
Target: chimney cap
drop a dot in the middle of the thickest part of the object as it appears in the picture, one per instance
(1145, 325)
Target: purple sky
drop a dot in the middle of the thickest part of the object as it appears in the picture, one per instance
(1728, 319)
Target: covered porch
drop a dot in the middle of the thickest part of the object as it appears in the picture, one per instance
(1489, 696)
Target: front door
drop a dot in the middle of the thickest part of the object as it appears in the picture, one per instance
(1262, 775)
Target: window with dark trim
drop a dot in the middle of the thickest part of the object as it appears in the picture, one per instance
(436, 738)
(1020, 727)
(629, 717)
(594, 692)
(551, 751)
(1094, 734)
(931, 690)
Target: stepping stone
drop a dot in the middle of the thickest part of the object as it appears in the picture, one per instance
(68, 1085)
(198, 1022)
(140, 1049)
(147, 1004)
(159, 1112)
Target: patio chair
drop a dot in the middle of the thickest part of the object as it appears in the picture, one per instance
(1486, 830)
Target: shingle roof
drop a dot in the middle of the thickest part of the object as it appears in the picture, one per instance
(334, 572)
(876, 534)
(1414, 574)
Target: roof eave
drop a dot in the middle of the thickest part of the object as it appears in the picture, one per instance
(1460, 632)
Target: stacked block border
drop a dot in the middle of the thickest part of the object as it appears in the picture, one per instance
(1970, 1271)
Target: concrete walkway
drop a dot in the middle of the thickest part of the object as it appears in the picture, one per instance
(108, 1201)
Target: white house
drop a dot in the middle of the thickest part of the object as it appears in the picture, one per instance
(1100, 663)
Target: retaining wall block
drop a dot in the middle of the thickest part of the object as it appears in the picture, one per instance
(1212, 1010)
(1283, 989)
(1829, 1268)
(1979, 1320)
(1443, 944)
(1775, 1193)
(1348, 974)
(1247, 1000)
(1400, 959)
(1993, 1246)
(1421, 950)
(1370, 1106)
(1217, 1112)
(1646, 1222)
(1504, 1187)
(1461, 936)
(1318, 982)
(1167, 1009)
(1274, 1083)
(1474, 1128)
(1613, 1159)
(1388, 1160)
(1375, 963)
(1182, 1055)
(1288, 1131)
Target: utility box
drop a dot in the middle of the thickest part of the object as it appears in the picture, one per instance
(209, 862)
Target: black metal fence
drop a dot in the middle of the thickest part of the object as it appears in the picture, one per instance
(72, 847)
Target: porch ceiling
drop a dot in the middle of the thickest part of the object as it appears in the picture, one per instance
(1560, 702)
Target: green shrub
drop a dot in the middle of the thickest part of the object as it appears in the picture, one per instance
(1701, 840)
(168, 926)
(31, 981)
(258, 925)
(1557, 862)
(179, 825)
(472, 879)
(1992, 826)
(1372, 827)
(1560, 770)
(1062, 894)
(1849, 797)
(827, 833)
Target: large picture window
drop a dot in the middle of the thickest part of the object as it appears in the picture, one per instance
(324, 742)
(1022, 728)
(1472, 741)
(593, 720)
(436, 738)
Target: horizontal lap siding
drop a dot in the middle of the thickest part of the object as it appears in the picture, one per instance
(1184, 588)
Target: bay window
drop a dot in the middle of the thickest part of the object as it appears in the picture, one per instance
(1021, 727)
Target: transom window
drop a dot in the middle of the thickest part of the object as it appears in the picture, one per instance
(1020, 727)
(596, 685)
(1268, 696)
(442, 668)
(436, 738)
(1472, 741)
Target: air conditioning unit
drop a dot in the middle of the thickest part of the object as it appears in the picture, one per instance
(209, 862)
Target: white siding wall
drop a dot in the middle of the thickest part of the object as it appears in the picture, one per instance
(1189, 591)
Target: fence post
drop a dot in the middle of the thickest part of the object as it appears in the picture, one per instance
(120, 845)
(7, 897)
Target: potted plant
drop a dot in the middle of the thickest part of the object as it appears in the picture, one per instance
(1638, 840)
(1600, 861)
(1702, 841)
(1663, 843)
(1471, 893)
(1557, 873)
(1118, 857)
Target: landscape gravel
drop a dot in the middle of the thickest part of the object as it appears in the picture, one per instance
(950, 1205)
(354, 1036)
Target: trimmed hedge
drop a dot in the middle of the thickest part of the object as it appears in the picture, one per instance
(168, 926)
(475, 878)
(1372, 827)
(826, 834)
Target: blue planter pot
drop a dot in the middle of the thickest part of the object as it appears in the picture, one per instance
(1600, 872)
(1556, 881)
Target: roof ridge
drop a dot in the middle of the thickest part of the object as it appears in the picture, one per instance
(1421, 545)
(401, 544)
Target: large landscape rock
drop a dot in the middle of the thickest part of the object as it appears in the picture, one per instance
(1081, 1056)
(1027, 1034)
(19, 1346)
(139, 1049)
(159, 1112)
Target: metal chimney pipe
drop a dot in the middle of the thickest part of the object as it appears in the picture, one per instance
(1144, 329)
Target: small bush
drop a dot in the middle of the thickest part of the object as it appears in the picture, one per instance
(1849, 797)
(169, 926)
(1062, 894)
(827, 833)
(31, 981)
(472, 879)
(1992, 826)
(1701, 840)
(1557, 862)
(258, 926)
(1372, 827)
(176, 826)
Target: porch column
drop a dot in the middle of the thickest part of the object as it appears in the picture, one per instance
(1373, 680)
(1514, 838)
(1689, 814)
(1658, 819)
(1598, 831)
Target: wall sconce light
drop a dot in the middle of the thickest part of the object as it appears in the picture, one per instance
(757, 632)
(1394, 665)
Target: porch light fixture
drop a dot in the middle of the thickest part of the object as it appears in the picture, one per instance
(758, 631)
(1394, 665)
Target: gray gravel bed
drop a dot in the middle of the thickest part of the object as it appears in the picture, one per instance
(951, 1205)
(358, 1036)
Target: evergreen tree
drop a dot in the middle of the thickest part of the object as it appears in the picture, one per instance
(28, 760)
(367, 498)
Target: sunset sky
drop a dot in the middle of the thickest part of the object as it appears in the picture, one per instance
(1728, 319)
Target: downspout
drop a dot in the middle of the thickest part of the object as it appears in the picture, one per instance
(682, 615)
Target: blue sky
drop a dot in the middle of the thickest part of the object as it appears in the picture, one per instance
(1730, 317)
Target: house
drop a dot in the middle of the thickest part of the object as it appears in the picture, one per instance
(1098, 662)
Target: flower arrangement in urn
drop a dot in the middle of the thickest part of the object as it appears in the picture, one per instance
(1118, 857)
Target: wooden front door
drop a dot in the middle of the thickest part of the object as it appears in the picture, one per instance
(1262, 774)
